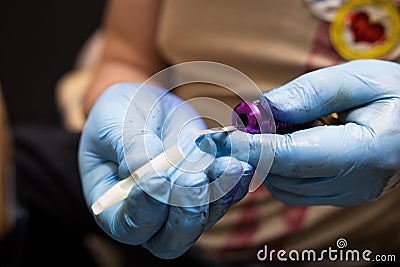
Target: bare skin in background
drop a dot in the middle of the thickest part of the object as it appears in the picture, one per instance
(130, 54)
(5, 156)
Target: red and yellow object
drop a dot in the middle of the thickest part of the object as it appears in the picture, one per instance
(366, 29)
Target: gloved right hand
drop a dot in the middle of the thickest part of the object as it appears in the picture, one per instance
(128, 125)
(340, 165)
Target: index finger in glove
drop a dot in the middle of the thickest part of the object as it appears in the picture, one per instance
(334, 89)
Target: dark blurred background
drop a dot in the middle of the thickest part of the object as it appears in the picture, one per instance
(39, 41)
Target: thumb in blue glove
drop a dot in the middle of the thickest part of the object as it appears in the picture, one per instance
(339, 165)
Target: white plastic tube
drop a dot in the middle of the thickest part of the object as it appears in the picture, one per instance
(121, 190)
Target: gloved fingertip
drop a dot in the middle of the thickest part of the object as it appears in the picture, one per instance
(248, 169)
(276, 98)
(225, 165)
(142, 214)
(191, 179)
(153, 187)
(224, 175)
(189, 190)
(206, 145)
(243, 187)
(295, 101)
(199, 139)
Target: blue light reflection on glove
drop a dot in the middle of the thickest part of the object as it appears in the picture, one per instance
(339, 165)
(167, 231)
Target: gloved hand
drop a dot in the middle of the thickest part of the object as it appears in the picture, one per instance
(128, 125)
(340, 165)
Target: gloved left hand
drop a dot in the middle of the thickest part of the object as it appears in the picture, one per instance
(340, 165)
(128, 125)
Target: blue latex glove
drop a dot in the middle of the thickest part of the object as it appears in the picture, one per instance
(340, 165)
(108, 151)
